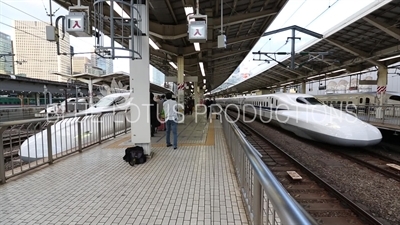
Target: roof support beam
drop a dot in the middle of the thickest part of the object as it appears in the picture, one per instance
(354, 61)
(226, 54)
(224, 62)
(171, 32)
(168, 32)
(189, 50)
(390, 30)
(292, 71)
(354, 51)
(242, 18)
(290, 76)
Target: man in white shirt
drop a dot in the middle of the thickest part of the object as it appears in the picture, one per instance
(171, 117)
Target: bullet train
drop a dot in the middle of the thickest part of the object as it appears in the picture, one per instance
(64, 133)
(306, 117)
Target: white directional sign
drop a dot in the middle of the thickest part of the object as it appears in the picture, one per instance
(198, 31)
(75, 23)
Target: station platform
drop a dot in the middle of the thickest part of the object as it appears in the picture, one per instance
(194, 184)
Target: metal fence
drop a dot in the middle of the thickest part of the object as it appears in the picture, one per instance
(41, 141)
(18, 113)
(266, 200)
(385, 114)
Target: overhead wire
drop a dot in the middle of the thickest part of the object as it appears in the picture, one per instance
(329, 6)
(298, 8)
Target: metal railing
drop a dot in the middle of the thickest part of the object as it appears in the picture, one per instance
(266, 200)
(385, 114)
(41, 141)
(18, 113)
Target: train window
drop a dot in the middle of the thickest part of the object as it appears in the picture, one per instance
(309, 101)
(361, 100)
(272, 100)
(276, 102)
(300, 100)
(394, 97)
(267, 104)
(350, 102)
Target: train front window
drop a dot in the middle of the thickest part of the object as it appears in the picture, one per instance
(309, 101)
(313, 101)
(107, 101)
(395, 98)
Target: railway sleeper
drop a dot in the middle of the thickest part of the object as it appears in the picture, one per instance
(393, 166)
(337, 220)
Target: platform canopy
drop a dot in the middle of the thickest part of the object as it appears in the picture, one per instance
(243, 23)
(369, 41)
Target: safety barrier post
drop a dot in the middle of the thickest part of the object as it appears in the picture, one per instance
(2, 164)
(80, 133)
(258, 199)
(114, 124)
(49, 143)
(99, 126)
(126, 123)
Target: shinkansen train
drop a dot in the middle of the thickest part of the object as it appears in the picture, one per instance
(307, 117)
(367, 98)
(15, 101)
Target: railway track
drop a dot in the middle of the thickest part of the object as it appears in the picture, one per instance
(11, 143)
(375, 162)
(320, 199)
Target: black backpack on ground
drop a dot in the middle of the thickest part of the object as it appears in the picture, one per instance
(134, 155)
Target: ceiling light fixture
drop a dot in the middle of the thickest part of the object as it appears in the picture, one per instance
(202, 69)
(173, 65)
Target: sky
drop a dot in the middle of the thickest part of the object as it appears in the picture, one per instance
(320, 16)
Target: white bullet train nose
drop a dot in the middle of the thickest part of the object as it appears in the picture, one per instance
(63, 137)
(340, 128)
(34, 147)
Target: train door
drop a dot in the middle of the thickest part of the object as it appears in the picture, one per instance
(367, 105)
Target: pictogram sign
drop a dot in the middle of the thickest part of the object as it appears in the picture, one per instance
(198, 31)
(76, 24)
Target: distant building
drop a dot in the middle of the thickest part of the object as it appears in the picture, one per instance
(6, 62)
(79, 64)
(40, 55)
(156, 76)
(105, 64)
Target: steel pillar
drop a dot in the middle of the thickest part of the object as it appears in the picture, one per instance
(140, 90)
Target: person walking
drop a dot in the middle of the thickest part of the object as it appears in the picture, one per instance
(153, 115)
(171, 119)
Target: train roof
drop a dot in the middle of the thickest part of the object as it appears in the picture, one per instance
(360, 93)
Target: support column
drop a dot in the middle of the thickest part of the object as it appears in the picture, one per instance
(140, 89)
(90, 90)
(196, 93)
(37, 96)
(381, 89)
(181, 92)
(303, 87)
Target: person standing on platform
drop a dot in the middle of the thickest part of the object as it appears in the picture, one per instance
(153, 115)
(208, 105)
(171, 120)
